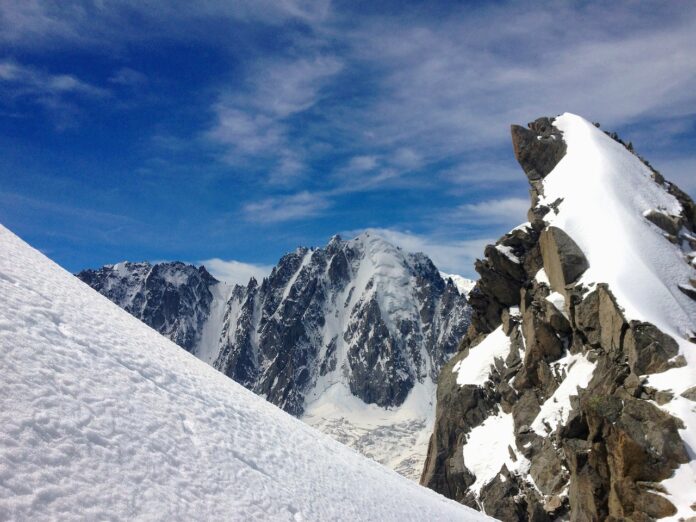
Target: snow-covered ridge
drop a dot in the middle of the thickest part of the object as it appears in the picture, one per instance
(605, 193)
(103, 418)
(581, 344)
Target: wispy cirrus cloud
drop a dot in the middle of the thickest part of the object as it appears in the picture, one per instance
(128, 77)
(25, 80)
(56, 93)
(41, 23)
(507, 211)
(254, 124)
(455, 86)
(286, 208)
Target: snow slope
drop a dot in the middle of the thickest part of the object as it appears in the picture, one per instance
(103, 418)
(606, 192)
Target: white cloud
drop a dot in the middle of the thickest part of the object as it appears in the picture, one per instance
(25, 80)
(235, 272)
(450, 256)
(58, 94)
(282, 88)
(128, 77)
(253, 124)
(362, 163)
(511, 211)
(406, 158)
(244, 133)
(286, 208)
(38, 23)
(454, 85)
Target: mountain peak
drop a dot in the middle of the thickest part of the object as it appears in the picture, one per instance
(581, 343)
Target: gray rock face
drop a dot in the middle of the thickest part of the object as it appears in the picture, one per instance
(605, 458)
(172, 298)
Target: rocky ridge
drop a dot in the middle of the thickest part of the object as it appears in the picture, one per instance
(572, 394)
(350, 337)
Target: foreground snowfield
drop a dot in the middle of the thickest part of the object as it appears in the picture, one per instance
(103, 418)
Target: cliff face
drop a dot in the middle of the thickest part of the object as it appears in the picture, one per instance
(573, 392)
(173, 298)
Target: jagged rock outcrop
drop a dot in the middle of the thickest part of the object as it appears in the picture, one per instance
(562, 402)
(328, 336)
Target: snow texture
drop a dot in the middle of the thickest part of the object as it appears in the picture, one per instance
(102, 418)
(488, 448)
(605, 191)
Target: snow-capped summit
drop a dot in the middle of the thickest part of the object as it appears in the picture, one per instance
(349, 337)
(102, 418)
(574, 394)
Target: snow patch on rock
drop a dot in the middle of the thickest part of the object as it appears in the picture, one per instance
(475, 369)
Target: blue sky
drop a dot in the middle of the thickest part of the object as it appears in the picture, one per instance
(237, 131)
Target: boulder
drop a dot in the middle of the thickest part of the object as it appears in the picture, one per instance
(542, 344)
(547, 469)
(690, 394)
(640, 443)
(648, 349)
(539, 148)
(599, 318)
(668, 223)
(564, 262)
(501, 499)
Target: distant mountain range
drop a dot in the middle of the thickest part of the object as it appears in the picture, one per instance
(349, 337)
